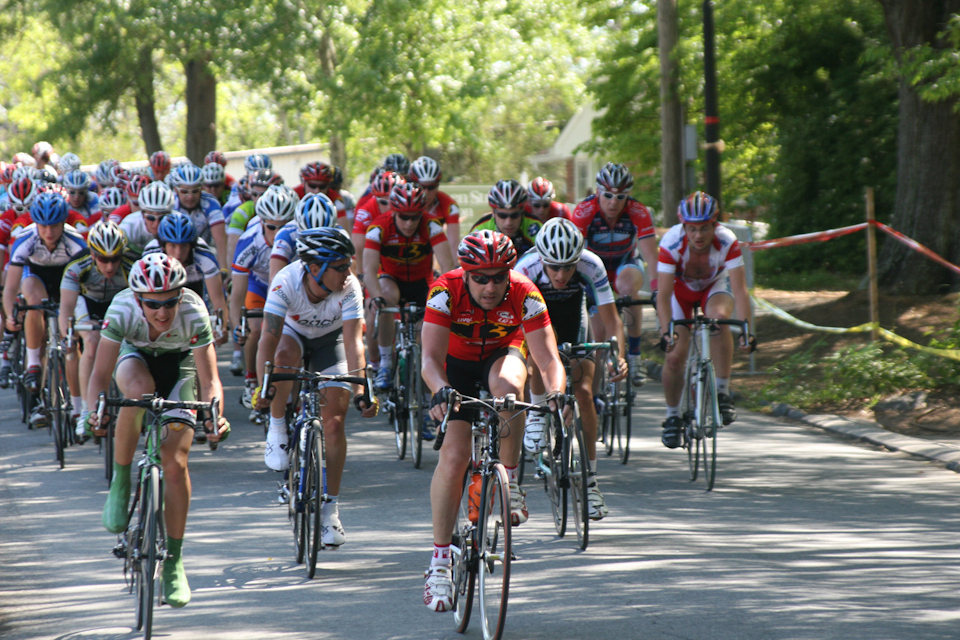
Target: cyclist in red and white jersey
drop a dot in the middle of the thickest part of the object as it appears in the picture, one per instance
(160, 165)
(440, 206)
(700, 263)
(369, 209)
(316, 177)
(617, 228)
(133, 189)
(540, 201)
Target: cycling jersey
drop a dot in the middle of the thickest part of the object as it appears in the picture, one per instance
(405, 258)
(241, 217)
(288, 299)
(285, 243)
(445, 209)
(252, 258)
(90, 208)
(121, 212)
(10, 232)
(476, 333)
(206, 215)
(135, 228)
(525, 238)
(125, 323)
(203, 263)
(233, 201)
(618, 244)
(556, 210)
(366, 213)
(32, 254)
(675, 258)
(82, 276)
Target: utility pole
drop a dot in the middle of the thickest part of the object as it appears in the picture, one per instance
(671, 122)
(714, 146)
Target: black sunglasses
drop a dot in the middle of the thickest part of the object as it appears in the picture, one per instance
(153, 217)
(409, 218)
(169, 303)
(112, 260)
(561, 267)
(429, 187)
(339, 268)
(272, 227)
(482, 279)
(317, 185)
(508, 216)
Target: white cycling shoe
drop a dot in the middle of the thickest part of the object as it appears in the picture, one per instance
(331, 531)
(534, 439)
(438, 590)
(275, 455)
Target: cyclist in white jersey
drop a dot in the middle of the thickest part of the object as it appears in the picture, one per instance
(203, 208)
(313, 313)
(140, 227)
(314, 211)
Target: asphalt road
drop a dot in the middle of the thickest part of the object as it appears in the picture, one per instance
(805, 536)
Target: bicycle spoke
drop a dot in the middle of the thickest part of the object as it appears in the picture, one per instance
(313, 495)
(464, 564)
(578, 484)
(550, 468)
(495, 552)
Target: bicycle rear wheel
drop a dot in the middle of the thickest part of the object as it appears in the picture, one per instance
(54, 398)
(147, 570)
(625, 421)
(578, 482)
(464, 560)
(295, 506)
(399, 416)
(711, 422)
(415, 405)
(554, 477)
(495, 551)
(313, 494)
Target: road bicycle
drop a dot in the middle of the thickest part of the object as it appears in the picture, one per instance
(143, 544)
(305, 487)
(699, 408)
(482, 544)
(405, 401)
(14, 345)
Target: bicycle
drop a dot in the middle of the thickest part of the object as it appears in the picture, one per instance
(699, 408)
(15, 348)
(245, 315)
(143, 545)
(305, 487)
(482, 546)
(405, 401)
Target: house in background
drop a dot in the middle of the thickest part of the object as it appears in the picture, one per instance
(573, 173)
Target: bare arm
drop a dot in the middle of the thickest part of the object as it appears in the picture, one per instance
(444, 257)
(219, 235)
(269, 339)
(665, 301)
(238, 295)
(210, 386)
(68, 306)
(435, 341)
(106, 359)
(453, 236)
(543, 347)
(14, 275)
(738, 282)
(650, 252)
(215, 291)
(371, 265)
(359, 240)
(353, 348)
(276, 263)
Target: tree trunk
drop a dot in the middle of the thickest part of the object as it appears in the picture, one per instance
(201, 109)
(328, 66)
(146, 106)
(671, 125)
(927, 206)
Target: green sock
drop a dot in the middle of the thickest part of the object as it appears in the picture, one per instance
(115, 510)
(176, 589)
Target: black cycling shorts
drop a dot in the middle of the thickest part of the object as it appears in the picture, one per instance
(414, 292)
(470, 376)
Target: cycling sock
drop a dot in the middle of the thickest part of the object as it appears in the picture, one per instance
(386, 357)
(237, 353)
(176, 589)
(251, 375)
(441, 555)
(114, 517)
(592, 479)
(77, 403)
(537, 398)
(673, 412)
(593, 467)
(512, 473)
(278, 425)
(723, 385)
(330, 509)
(634, 345)
(83, 405)
(33, 357)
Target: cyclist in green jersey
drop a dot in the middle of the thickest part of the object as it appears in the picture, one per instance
(506, 198)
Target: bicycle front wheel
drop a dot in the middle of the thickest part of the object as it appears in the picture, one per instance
(464, 560)
(399, 417)
(495, 551)
(415, 405)
(579, 472)
(54, 400)
(313, 494)
(294, 504)
(625, 420)
(554, 476)
(710, 424)
(147, 569)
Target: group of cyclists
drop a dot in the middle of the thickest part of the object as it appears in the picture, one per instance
(143, 254)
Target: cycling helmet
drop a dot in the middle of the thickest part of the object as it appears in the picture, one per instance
(276, 204)
(327, 244)
(264, 178)
(121, 177)
(615, 178)
(314, 211)
(257, 161)
(23, 192)
(21, 172)
(698, 208)
(486, 249)
(186, 175)
(382, 186)
(215, 157)
(111, 198)
(76, 180)
(316, 171)
(42, 151)
(160, 162)
(559, 242)
(49, 208)
(156, 197)
(6, 175)
(425, 169)
(541, 191)
(47, 175)
(69, 162)
(398, 163)
(156, 273)
(24, 159)
(213, 173)
(103, 175)
(106, 239)
(408, 198)
(177, 228)
(337, 181)
(507, 194)
(136, 185)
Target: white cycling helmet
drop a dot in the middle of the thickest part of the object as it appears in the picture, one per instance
(559, 242)
(257, 161)
(77, 180)
(106, 239)
(212, 173)
(156, 273)
(186, 175)
(276, 204)
(156, 197)
(103, 175)
(111, 198)
(69, 162)
(314, 211)
(425, 170)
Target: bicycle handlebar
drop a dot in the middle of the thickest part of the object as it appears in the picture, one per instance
(571, 350)
(158, 405)
(703, 320)
(633, 302)
(508, 402)
(408, 310)
(269, 377)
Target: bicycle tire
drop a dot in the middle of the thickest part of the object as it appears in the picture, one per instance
(294, 510)
(314, 494)
(552, 475)
(399, 415)
(54, 413)
(415, 405)
(464, 565)
(616, 412)
(711, 420)
(579, 473)
(495, 552)
(625, 422)
(108, 452)
(148, 571)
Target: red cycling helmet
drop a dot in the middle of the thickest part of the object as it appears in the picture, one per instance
(160, 162)
(135, 185)
(317, 171)
(486, 249)
(382, 186)
(408, 197)
(215, 156)
(6, 176)
(22, 192)
(541, 191)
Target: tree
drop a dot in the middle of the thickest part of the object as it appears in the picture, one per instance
(671, 126)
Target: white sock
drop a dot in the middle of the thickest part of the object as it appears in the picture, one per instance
(238, 354)
(330, 509)
(593, 466)
(33, 357)
(441, 555)
(83, 405)
(386, 357)
(723, 385)
(278, 425)
(673, 412)
(77, 403)
(513, 473)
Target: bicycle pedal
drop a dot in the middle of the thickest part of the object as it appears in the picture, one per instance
(539, 475)
(120, 551)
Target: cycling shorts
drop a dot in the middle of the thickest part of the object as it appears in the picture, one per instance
(88, 310)
(256, 296)
(325, 355)
(174, 378)
(50, 277)
(628, 262)
(684, 298)
(412, 292)
(470, 376)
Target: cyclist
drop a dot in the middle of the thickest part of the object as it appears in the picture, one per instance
(103, 175)
(398, 163)
(238, 193)
(111, 199)
(159, 165)
(177, 237)
(506, 198)
(133, 189)
(398, 258)
(202, 208)
(214, 181)
(20, 196)
(313, 317)
(540, 202)
(220, 159)
(79, 197)
(37, 261)
(42, 152)
(701, 263)
(94, 277)
(371, 208)
(68, 162)
(314, 211)
(257, 184)
(615, 226)
(472, 339)
(440, 206)
(156, 201)
(251, 273)
(154, 334)
(571, 279)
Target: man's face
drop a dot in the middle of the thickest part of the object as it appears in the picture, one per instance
(151, 220)
(179, 251)
(540, 209)
(335, 276)
(76, 198)
(160, 319)
(700, 235)
(508, 220)
(612, 204)
(50, 233)
(108, 267)
(561, 275)
(488, 286)
(270, 229)
(189, 196)
(216, 190)
(407, 223)
(315, 186)
(430, 190)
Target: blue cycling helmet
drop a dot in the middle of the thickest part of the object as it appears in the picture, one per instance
(316, 210)
(177, 228)
(257, 161)
(698, 208)
(187, 175)
(49, 208)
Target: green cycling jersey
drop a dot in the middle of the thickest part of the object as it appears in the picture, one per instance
(524, 238)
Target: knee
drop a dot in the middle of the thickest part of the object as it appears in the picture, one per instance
(333, 428)
(502, 387)
(284, 355)
(175, 469)
(583, 393)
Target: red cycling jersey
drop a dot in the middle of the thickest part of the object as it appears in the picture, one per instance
(364, 214)
(445, 209)
(616, 243)
(9, 233)
(476, 333)
(121, 212)
(405, 258)
(556, 210)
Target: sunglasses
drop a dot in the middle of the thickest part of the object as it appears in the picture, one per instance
(75, 192)
(430, 187)
(152, 217)
(482, 279)
(611, 196)
(508, 216)
(113, 260)
(316, 185)
(272, 227)
(383, 202)
(18, 208)
(409, 218)
(191, 192)
(540, 205)
(169, 303)
(562, 267)
(339, 268)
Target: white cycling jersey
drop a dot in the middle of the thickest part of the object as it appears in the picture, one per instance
(288, 299)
